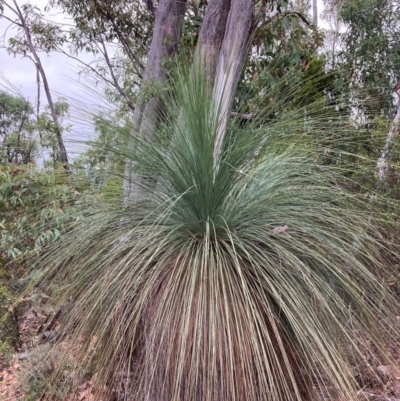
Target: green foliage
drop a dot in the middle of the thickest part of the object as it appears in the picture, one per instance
(9, 334)
(45, 35)
(283, 46)
(17, 141)
(35, 208)
(233, 276)
(36, 372)
(102, 163)
(369, 51)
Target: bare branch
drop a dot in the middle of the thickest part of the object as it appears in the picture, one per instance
(10, 20)
(283, 15)
(116, 84)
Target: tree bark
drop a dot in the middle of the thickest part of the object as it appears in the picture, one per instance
(235, 48)
(167, 33)
(393, 132)
(315, 13)
(211, 36)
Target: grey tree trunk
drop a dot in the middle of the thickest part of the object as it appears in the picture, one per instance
(235, 48)
(211, 36)
(167, 33)
(315, 13)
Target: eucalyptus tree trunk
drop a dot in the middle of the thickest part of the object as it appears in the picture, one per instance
(211, 37)
(234, 51)
(315, 13)
(166, 35)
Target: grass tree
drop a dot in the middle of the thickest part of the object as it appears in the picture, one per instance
(250, 273)
(241, 269)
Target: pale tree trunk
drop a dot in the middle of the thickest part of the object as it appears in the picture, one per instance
(211, 36)
(315, 13)
(393, 132)
(167, 33)
(61, 148)
(235, 48)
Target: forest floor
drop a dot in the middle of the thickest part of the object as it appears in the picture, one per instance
(22, 376)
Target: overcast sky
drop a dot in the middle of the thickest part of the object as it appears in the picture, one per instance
(61, 71)
(62, 75)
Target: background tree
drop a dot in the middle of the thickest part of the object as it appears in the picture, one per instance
(24, 44)
(118, 34)
(16, 130)
(365, 48)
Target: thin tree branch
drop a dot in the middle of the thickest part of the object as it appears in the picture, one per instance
(38, 94)
(114, 78)
(10, 20)
(10, 7)
(125, 45)
(283, 15)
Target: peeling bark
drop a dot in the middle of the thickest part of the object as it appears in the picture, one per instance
(393, 132)
(211, 36)
(235, 48)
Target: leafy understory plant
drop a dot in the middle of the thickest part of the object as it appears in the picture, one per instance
(37, 370)
(246, 274)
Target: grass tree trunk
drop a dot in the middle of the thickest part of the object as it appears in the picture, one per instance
(167, 33)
